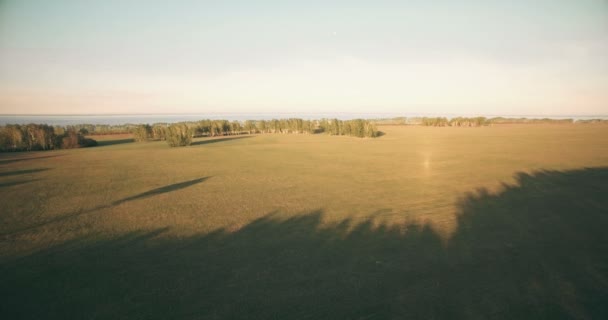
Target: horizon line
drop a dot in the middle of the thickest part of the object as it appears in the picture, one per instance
(395, 114)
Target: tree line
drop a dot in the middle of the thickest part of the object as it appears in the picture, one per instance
(503, 120)
(103, 129)
(473, 121)
(181, 134)
(455, 122)
(32, 137)
(176, 135)
(483, 121)
(356, 128)
(14, 137)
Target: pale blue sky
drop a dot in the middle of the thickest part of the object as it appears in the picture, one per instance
(456, 57)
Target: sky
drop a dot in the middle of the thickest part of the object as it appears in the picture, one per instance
(436, 57)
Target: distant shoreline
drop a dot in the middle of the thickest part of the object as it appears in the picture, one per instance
(391, 114)
(120, 119)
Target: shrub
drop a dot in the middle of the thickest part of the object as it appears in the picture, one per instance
(72, 139)
(142, 132)
(179, 135)
(159, 132)
(370, 130)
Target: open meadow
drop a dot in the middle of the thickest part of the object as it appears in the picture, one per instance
(505, 221)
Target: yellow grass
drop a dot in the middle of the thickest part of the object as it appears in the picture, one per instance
(411, 173)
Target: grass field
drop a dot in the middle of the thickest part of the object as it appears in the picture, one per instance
(494, 222)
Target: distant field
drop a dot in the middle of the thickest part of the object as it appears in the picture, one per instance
(505, 221)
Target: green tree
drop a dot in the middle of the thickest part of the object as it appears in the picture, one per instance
(235, 127)
(73, 139)
(262, 126)
(324, 126)
(179, 135)
(283, 126)
(347, 128)
(370, 130)
(15, 137)
(308, 126)
(159, 131)
(275, 126)
(204, 128)
(142, 132)
(358, 128)
(249, 126)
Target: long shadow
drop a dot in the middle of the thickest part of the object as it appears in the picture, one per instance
(15, 183)
(215, 140)
(11, 160)
(70, 215)
(104, 143)
(157, 191)
(536, 250)
(18, 172)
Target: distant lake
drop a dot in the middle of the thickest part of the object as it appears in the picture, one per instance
(63, 120)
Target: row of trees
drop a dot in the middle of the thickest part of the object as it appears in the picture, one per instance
(455, 122)
(45, 137)
(502, 120)
(603, 121)
(102, 129)
(469, 122)
(178, 134)
(356, 128)
(225, 127)
(472, 121)
(181, 134)
(32, 137)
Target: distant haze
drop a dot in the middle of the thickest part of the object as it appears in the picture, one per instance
(440, 57)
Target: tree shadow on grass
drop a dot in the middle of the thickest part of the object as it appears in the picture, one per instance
(215, 140)
(15, 183)
(18, 172)
(535, 250)
(16, 159)
(157, 191)
(143, 195)
(104, 143)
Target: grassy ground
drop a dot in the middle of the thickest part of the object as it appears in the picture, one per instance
(503, 221)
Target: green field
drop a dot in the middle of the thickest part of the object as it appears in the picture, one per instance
(506, 221)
